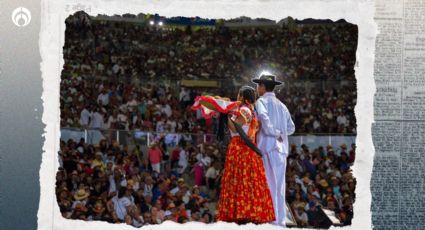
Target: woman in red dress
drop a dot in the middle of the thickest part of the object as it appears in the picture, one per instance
(244, 194)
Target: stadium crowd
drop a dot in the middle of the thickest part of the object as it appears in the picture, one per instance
(320, 178)
(111, 80)
(110, 183)
(114, 183)
(138, 51)
(108, 66)
(159, 109)
(321, 111)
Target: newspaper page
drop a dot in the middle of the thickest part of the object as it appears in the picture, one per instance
(398, 174)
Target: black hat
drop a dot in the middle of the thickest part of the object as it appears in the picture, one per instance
(267, 79)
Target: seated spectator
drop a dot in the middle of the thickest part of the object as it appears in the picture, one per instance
(301, 217)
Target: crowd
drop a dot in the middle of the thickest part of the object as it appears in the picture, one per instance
(118, 185)
(112, 71)
(111, 80)
(129, 50)
(181, 183)
(321, 111)
(105, 105)
(320, 178)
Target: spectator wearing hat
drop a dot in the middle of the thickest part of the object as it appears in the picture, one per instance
(98, 161)
(98, 211)
(180, 185)
(80, 197)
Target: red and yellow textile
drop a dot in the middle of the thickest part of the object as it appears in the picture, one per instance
(210, 105)
(244, 194)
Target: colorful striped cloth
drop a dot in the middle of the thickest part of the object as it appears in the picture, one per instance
(211, 105)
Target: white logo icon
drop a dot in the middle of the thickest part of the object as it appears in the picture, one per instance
(21, 16)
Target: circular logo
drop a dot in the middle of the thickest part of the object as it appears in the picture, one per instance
(21, 16)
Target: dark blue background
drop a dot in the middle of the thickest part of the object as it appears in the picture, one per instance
(20, 118)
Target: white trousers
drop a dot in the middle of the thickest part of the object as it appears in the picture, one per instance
(275, 167)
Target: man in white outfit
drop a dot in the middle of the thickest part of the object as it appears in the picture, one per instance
(272, 140)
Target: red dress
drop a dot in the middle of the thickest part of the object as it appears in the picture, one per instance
(244, 194)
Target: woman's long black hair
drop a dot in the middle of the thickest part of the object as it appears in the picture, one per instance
(248, 94)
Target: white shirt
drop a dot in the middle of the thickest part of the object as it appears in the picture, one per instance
(187, 137)
(112, 185)
(211, 173)
(122, 117)
(103, 98)
(198, 114)
(275, 121)
(116, 68)
(184, 95)
(147, 190)
(121, 206)
(303, 217)
(173, 125)
(131, 104)
(342, 120)
(97, 121)
(183, 158)
(175, 190)
(167, 110)
(170, 139)
(123, 108)
(316, 124)
(205, 161)
(160, 126)
(138, 224)
(85, 117)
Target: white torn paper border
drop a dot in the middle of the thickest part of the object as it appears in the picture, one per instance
(54, 13)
